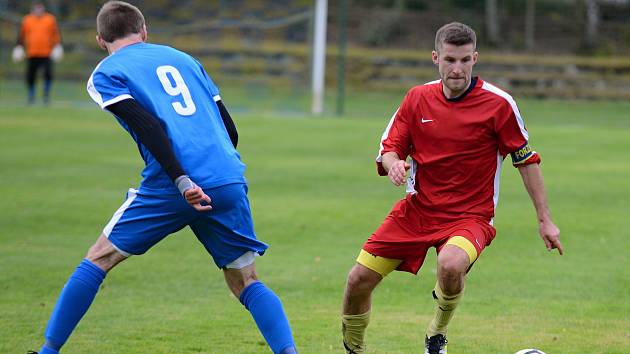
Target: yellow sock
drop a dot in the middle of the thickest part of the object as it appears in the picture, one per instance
(353, 329)
(445, 308)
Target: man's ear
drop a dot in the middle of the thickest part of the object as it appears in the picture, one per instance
(143, 33)
(434, 57)
(101, 42)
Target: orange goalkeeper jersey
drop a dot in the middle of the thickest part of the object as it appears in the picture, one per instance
(39, 35)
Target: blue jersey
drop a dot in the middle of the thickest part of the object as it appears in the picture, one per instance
(175, 88)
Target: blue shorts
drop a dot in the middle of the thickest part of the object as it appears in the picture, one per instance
(226, 231)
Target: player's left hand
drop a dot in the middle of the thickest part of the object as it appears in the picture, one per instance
(550, 234)
(195, 196)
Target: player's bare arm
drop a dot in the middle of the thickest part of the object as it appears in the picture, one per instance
(533, 180)
(395, 167)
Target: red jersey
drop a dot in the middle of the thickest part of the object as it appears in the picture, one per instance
(457, 147)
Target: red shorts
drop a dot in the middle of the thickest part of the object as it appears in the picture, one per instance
(407, 234)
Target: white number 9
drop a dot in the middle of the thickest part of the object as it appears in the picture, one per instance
(180, 88)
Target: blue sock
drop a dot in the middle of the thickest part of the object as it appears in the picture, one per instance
(74, 300)
(46, 350)
(268, 313)
(31, 94)
(47, 85)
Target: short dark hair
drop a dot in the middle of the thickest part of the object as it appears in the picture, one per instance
(455, 33)
(118, 19)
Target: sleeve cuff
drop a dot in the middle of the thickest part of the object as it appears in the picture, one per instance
(533, 158)
(115, 100)
(379, 161)
(380, 169)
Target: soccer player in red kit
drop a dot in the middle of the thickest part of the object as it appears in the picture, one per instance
(457, 132)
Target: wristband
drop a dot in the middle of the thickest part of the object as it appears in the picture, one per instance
(184, 183)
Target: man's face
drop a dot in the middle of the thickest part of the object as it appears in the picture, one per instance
(38, 9)
(455, 65)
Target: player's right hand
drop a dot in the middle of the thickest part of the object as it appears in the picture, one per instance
(398, 172)
(195, 196)
(550, 234)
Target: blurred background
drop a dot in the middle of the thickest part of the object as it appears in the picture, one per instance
(263, 50)
(314, 191)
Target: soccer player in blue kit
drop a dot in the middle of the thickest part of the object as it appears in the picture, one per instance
(193, 175)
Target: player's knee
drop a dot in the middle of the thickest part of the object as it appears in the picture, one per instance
(361, 280)
(452, 267)
(453, 262)
(238, 279)
(104, 255)
(105, 262)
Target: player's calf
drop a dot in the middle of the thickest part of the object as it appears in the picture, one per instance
(356, 307)
(73, 302)
(79, 292)
(453, 262)
(263, 304)
(353, 331)
(362, 280)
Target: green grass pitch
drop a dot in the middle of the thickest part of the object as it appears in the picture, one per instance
(315, 198)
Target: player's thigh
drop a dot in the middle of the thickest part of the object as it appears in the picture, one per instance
(31, 69)
(382, 266)
(397, 243)
(227, 231)
(145, 219)
(464, 243)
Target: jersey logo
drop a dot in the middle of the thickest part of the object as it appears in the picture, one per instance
(426, 120)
